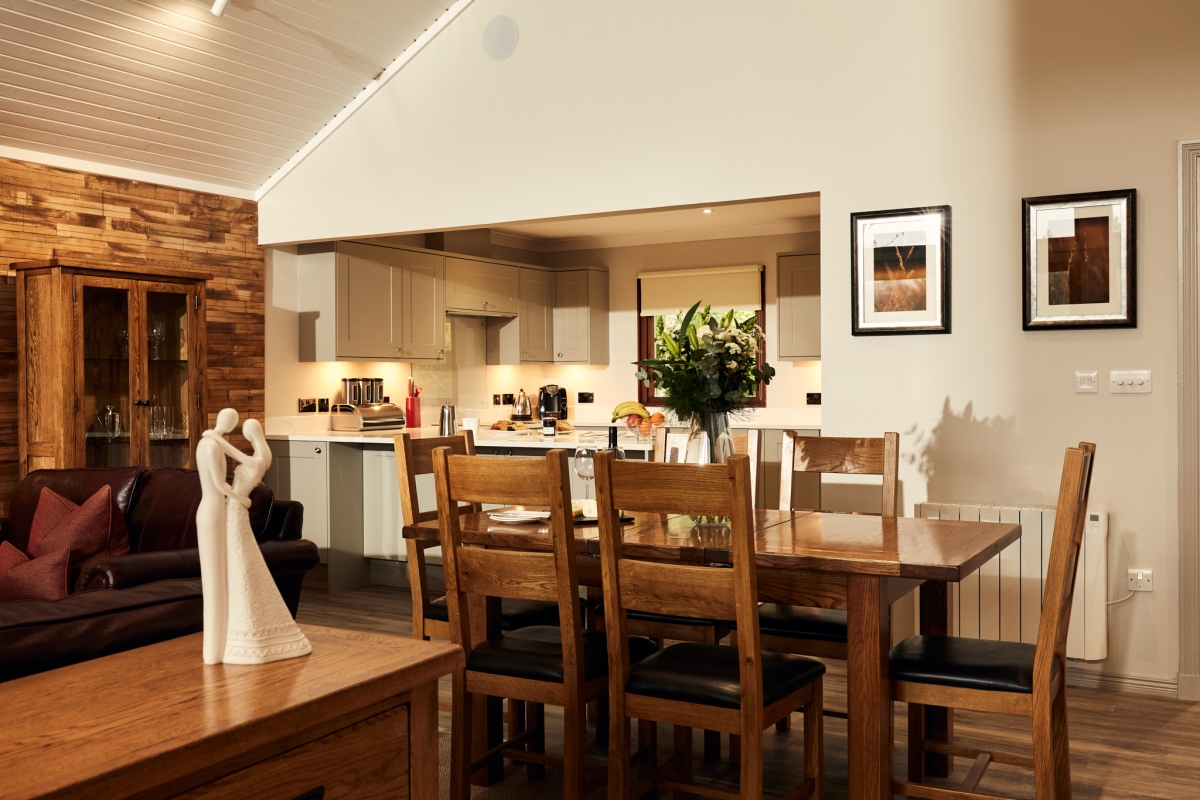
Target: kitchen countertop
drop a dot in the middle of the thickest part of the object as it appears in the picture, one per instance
(486, 438)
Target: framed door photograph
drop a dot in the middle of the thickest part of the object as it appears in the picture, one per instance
(900, 271)
(1080, 260)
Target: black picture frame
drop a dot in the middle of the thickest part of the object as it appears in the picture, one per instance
(1031, 318)
(942, 276)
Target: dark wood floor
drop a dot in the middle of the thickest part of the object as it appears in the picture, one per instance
(1122, 745)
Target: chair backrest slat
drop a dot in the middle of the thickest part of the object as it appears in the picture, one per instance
(694, 591)
(541, 482)
(507, 573)
(1059, 587)
(844, 456)
(671, 488)
(721, 490)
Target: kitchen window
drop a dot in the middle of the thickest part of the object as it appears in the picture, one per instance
(662, 296)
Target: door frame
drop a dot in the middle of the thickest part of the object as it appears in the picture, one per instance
(1189, 420)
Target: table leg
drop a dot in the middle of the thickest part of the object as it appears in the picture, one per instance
(423, 722)
(868, 689)
(939, 721)
(488, 726)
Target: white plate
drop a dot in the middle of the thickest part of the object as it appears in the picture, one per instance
(507, 434)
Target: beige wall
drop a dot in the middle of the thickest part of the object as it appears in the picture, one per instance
(876, 105)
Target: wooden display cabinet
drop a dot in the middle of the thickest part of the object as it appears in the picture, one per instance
(110, 364)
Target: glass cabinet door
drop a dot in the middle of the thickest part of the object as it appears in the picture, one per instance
(105, 404)
(167, 406)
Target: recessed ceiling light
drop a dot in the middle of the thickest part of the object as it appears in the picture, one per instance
(218, 7)
(707, 211)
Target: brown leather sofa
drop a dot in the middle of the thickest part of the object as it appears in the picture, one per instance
(157, 593)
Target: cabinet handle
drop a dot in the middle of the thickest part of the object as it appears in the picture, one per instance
(317, 450)
(560, 355)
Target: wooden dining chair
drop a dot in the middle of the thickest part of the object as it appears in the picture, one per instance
(431, 618)
(822, 632)
(740, 690)
(1004, 677)
(560, 665)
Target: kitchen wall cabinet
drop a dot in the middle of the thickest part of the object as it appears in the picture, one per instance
(481, 287)
(562, 319)
(110, 365)
(366, 302)
(581, 317)
(799, 304)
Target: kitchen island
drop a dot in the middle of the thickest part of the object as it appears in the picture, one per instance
(347, 482)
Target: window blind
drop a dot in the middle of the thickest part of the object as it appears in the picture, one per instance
(667, 292)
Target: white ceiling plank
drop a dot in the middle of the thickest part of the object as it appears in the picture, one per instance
(56, 40)
(178, 49)
(24, 101)
(91, 140)
(38, 78)
(155, 94)
(165, 88)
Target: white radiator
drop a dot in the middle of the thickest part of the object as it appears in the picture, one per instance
(1003, 599)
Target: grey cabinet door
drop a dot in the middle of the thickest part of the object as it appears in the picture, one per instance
(800, 307)
(423, 308)
(481, 286)
(571, 335)
(536, 316)
(300, 471)
(368, 302)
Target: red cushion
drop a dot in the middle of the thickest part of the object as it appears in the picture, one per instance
(95, 528)
(43, 578)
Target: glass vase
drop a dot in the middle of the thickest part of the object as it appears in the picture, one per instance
(717, 445)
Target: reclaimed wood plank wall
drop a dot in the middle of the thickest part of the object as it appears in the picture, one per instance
(47, 212)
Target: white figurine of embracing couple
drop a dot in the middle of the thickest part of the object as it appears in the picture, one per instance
(245, 618)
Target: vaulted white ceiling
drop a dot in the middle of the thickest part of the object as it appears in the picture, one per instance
(163, 86)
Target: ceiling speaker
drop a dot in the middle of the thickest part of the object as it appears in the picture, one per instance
(500, 38)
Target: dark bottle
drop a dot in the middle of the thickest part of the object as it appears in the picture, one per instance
(618, 453)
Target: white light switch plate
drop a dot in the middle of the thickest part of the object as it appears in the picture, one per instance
(1130, 382)
(1086, 383)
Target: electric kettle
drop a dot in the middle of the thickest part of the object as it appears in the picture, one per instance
(522, 409)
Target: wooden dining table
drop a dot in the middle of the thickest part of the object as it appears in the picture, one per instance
(857, 562)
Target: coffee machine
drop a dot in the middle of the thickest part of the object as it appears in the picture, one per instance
(552, 402)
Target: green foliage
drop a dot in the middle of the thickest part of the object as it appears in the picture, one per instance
(703, 363)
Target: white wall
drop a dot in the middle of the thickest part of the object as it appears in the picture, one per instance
(876, 105)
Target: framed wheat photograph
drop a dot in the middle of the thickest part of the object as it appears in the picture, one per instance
(1080, 260)
(900, 271)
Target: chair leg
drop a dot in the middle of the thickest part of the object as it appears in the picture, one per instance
(648, 741)
(535, 715)
(574, 747)
(683, 748)
(1061, 746)
(735, 749)
(784, 725)
(751, 764)
(515, 718)
(814, 740)
(460, 739)
(712, 745)
(618, 757)
(916, 740)
(602, 720)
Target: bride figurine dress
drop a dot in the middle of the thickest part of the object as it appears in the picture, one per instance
(259, 628)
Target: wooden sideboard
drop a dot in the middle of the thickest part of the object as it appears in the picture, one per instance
(356, 718)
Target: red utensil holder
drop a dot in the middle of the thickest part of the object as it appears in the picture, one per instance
(412, 412)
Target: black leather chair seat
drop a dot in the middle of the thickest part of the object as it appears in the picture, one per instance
(965, 663)
(802, 622)
(513, 613)
(709, 674)
(535, 653)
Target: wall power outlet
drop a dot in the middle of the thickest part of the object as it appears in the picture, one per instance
(1141, 580)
